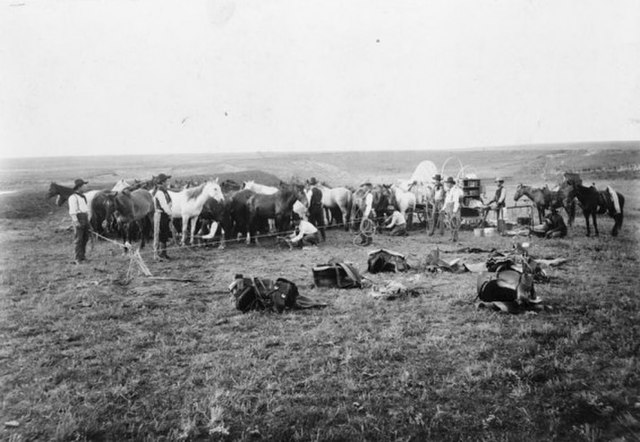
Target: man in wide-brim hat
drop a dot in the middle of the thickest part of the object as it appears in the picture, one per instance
(437, 203)
(161, 217)
(498, 202)
(79, 212)
(452, 202)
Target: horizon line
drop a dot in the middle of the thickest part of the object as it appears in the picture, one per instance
(559, 146)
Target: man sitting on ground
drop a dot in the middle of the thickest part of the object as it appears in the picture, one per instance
(305, 234)
(552, 227)
(397, 222)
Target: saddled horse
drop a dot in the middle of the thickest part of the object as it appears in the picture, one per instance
(403, 201)
(133, 208)
(278, 206)
(187, 205)
(595, 202)
(381, 197)
(541, 197)
(545, 198)
(337, 202)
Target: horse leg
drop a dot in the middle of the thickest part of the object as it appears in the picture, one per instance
(193, 222)
(143, 232)
(586, 218)
(594, 214)
(185, 227)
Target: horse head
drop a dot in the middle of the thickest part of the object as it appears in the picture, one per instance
(213, 190)
(519, 192)
(61, 192)
(299, 192)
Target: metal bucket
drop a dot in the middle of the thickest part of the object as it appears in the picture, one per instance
(490, 231)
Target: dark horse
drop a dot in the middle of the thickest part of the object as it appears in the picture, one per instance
(595, 202)
(61, 192)
(133, 208)
(544, 199)
(278, 206)
(381, 199)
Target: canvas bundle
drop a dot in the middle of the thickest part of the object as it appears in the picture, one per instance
(386, 261)
(336, 274)
(264, 294)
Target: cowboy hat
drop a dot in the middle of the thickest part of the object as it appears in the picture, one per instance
(161, 178)
(450, 180)
(499, 180)
(437, 177)
(79, 183)
(313, 181)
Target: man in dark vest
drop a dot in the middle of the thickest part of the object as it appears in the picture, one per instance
(498, 202)
(316, 212)
(79, 212)
(161, 216)
(438, 202)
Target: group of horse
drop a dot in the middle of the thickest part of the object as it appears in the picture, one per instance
(591, 200)
(250, 209)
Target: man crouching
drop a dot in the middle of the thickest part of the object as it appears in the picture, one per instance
(396, 222)
(305, 234)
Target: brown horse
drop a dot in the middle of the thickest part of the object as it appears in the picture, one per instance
(541, 197)
(278, 206)
(133, 208)
(594, 202)
(545, 198)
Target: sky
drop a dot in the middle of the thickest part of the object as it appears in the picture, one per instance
(91, 77)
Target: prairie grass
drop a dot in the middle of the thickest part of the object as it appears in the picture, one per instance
(86, 354)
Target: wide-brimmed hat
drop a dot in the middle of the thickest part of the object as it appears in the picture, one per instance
(437, 177)
(450, 180)
(499, 180)
(161, 178)
(313, 181)
(79, 183)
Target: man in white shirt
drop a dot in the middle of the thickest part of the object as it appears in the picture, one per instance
(397, 222)
(79, 212)
(452, 206)
(161, 217)
(305, 234)
(438, 202)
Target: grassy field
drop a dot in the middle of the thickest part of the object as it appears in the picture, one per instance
(87, 353)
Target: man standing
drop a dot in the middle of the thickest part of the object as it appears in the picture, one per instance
(316, 212)
(498, 201)
(79, 211)
(397, 222)
(452, 207)
(161, 216)
(438, 201)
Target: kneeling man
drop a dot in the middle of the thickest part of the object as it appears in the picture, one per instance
(304, 234)
(396, 222)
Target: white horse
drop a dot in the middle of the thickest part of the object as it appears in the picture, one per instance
(187, 204)
(338, 198)
(259, 188)
(121, 185)
(404, 201)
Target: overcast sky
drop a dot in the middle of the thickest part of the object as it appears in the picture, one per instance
(155, 76)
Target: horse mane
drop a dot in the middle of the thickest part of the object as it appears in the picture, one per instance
(194, 192)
